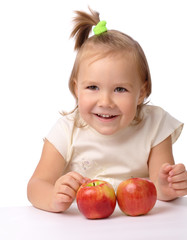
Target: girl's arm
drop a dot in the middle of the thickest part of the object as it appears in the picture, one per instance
(47, 188)
(170, 179)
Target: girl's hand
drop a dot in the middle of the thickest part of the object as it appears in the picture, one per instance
(172, 181)
(65, 190)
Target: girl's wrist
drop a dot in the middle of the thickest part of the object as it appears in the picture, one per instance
(164, 193)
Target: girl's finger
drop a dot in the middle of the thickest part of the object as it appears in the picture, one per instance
(179, 185)
(177, 169)
(79, 178)
(178, 178)
(62, 198)
(66, 190)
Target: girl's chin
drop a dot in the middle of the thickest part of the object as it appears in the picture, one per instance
(107, 131)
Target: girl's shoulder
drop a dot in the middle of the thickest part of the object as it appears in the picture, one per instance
(160, 124)
(156, 114)
(153, 111)
(61, 132)
(68, 121)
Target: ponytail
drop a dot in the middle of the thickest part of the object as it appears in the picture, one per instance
(83, 23)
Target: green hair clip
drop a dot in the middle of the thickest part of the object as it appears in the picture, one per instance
(100, 28)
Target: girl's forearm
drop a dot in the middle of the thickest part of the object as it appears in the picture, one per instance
(39, 193)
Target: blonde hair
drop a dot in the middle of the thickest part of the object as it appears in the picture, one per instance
(108, 43)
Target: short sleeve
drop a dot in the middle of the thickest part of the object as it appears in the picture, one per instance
(162, 125)
(59, 136)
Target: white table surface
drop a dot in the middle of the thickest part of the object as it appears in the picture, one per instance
(167, 220)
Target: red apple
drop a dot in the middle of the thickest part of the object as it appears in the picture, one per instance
(96, 199)
(136, 196)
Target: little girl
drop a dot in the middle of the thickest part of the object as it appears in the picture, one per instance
(112, 134)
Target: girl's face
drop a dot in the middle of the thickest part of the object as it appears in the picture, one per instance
(108, 92)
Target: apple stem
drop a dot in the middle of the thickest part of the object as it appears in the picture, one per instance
(93, 184)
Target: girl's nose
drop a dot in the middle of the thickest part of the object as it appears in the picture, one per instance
(105, 100)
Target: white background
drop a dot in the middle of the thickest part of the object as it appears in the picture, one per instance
(36, 58)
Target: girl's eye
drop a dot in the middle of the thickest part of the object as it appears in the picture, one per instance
(120, 89)
(92, 88)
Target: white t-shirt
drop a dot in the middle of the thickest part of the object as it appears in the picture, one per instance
(113, 158)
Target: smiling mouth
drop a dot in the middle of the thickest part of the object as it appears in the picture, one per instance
(106, 116)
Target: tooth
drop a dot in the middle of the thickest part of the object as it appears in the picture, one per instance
(105, 115)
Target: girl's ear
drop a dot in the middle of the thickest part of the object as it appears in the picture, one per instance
(143, 93)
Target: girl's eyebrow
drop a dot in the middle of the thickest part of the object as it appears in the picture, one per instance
(121, 84)
(87, 82)
(116, 84)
